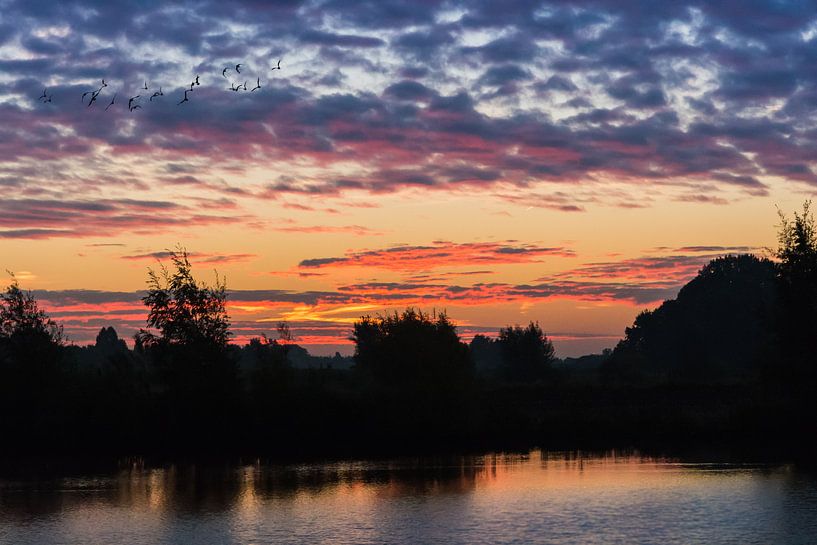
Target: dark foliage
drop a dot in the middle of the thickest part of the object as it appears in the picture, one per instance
(185, 312)
(412, 349)
(717, 329)
(731, 358)
(797, 279)
(33, 381)
(27, 334)
(195, 373)
(527, 354)
(417, 371)
(486, 357)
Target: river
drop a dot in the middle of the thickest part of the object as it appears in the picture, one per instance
(538, 497)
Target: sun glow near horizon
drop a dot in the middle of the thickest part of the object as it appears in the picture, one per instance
(503, 166)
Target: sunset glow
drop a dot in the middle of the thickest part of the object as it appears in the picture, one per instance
(502, 162)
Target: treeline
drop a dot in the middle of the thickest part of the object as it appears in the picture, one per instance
(731, 358)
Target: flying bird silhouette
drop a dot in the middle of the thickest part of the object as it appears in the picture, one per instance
(44, 95)
(245, 85)
(233, 87)
(224, 72)
(103, 84)
(238, 68)
(146, 86)
(112, 101)
(130, 102)
(257, 85)
(277, 67)
(136, 107)
(93, 97)
(158, 93)
(197, 80)
(185, 98)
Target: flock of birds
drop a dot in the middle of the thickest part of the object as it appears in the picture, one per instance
(133, 102)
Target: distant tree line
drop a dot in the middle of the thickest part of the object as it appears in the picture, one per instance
(732, 355)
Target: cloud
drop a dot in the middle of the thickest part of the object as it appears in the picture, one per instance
(45, 218)
(357, 230)
(439, 254)
(195, 257)
(672, 269)
(704, 102)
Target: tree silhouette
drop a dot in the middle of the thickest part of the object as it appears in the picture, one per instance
(108, 342)
(797, 279)
(184, 311)
(21, 317)
(718, 328)
(486, 355)
(411, 349)
(33, 385)
(527, 354)
(191, 356)
(28, 337)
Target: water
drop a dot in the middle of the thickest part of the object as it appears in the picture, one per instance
(533, 498)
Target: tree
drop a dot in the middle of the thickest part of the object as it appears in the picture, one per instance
(185, 311)
(717, 329)
(797, 250)
(412, 349)
(20, 316)
(27, 335)
(108, 342)
(190, 354)
(33, 385)
(486, 355)
(527, 354)
(797, 281)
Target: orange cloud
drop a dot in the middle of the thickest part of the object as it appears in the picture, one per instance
(440, 254)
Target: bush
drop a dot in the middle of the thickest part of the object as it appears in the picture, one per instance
(411, 349)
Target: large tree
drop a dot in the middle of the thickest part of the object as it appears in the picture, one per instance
(184, 311)
(27, 335)
(21, 315)
(527, 354)
(411, 349)
(34, 391)
(797, 279)
(190, 354)
(718, 328)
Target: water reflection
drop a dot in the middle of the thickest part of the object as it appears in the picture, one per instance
(534, 497)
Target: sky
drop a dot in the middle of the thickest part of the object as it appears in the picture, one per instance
(571, 163)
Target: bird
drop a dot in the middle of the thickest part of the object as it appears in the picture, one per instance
(93, 97)
(245, 85)
(185, 98)
(103, 84)
(44, 95)
(234, 88)
(112, 101)
(277, 67)
(158, 93)
(85, 93)
(192, 84)
(130, 102)
(197, 80)
(136, 107)
(238, 68)
(257, 85)
(49, 98)
(146, 86)
(224, 72)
